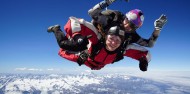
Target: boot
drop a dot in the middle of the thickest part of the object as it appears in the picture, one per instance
(143, 64)
(53, 28)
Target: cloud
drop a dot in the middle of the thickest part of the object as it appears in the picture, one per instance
(20, 69)
(33, 69)
(28, 69)
(118, 70)
(24, 69)
(52, 69)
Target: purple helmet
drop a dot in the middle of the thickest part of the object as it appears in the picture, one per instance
(136, 17)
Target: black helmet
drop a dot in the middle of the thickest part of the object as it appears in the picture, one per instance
(116, 30)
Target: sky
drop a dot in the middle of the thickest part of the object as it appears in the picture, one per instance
(25, 45)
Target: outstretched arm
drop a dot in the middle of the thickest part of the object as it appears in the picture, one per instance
(97, 9)
(139, 53)
(158, 24)
(69, 56)
(102, 19)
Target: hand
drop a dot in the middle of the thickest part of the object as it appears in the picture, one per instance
(159, 23)
(143, 64)
(110, 1)
(82, 41)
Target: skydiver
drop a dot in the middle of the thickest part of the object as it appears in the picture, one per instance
(100, 52)
(128, 22)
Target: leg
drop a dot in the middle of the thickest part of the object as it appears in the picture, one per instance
(60, 36)
(63, 41)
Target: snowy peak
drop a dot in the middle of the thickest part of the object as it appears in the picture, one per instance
(88, 73)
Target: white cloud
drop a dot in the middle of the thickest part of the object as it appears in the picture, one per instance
(177, 77)
(37, 70)
(52, 69)
(20, 69)
(119, 70)
(28, 69)
(33, 69)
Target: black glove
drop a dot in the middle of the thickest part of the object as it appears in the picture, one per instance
(110, 1)
(81, 41)
(143, 64)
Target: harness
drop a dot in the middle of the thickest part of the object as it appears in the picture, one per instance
(83, 56)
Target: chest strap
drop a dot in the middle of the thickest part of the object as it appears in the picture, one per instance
(83, 56)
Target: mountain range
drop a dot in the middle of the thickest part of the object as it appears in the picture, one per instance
(86, 83)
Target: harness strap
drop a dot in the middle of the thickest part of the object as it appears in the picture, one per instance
(120, 53)
(83, 56)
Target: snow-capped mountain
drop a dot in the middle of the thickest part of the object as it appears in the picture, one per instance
(85, 83)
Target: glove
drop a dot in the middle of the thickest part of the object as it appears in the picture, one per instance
(81, 41)
(143, 64)
(110, 1)
(106, 3)
(159, 23)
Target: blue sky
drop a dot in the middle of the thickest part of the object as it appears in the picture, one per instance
(25, 44)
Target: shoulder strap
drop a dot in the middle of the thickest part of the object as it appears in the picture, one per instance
(96, 49)
(121, 50)
(119, 56)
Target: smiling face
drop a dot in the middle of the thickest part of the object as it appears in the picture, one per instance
(133, 20)
(128, 26)
(112, 42)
